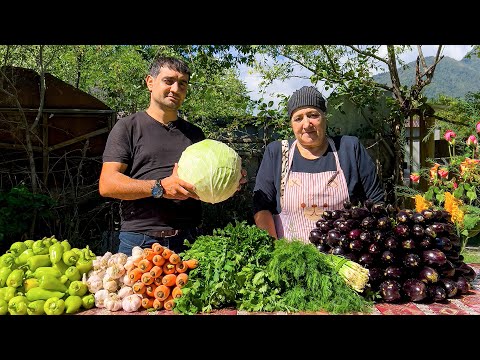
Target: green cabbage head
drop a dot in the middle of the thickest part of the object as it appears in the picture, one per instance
(213, 167)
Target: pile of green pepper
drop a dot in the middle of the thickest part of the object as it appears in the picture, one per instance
(45, 277)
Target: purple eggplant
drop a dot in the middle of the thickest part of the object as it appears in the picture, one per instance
(402, 230)
(315, 236)
(390, 291)
(434, 257)
(411, 261)
(463, 286)
(428, 275)
(451, 287)
(415, 290)
(437, 293)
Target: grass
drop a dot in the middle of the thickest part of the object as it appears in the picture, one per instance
(471, 256)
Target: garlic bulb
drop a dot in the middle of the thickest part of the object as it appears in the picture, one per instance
(100, 297)
(125, 291)
(132, 302)
(112, 302)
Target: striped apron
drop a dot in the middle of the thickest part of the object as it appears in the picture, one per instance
(304, 196)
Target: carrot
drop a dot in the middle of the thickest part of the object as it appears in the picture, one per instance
(135, 274)
(161, 292)
(158, 280)
(181, 267)
(169, 279)
(166, 253)
(157, 304)
(145, 265)
(191, 263)
(168, 268)
(169, 303)
(150, 289)
(139, 287)
(156, 271)
(147, 278)
(174, 258)
(148, 253)
(176, 292)
(158, 260)
(147, 302)
(181, 279)
(157, 248)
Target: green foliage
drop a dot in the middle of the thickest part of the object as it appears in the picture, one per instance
(222, 258)
(309, 282)
(242, 266)
(18, 209)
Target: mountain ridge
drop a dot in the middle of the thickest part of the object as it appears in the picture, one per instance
(454, 78)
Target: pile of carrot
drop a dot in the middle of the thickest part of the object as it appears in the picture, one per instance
(159, 275)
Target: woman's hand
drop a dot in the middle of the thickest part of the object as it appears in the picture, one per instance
(243, 179)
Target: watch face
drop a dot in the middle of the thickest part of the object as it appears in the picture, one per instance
(157, 190)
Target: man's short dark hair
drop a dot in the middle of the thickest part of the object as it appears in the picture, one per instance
(171, 63)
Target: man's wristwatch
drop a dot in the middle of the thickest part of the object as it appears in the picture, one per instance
(157, 190)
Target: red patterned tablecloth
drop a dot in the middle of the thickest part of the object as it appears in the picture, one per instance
(468, 304)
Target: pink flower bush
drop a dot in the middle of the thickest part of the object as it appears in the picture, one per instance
(472, 140)
(415, 177)
(450, 137)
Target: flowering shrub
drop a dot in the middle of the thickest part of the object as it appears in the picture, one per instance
(455, 186)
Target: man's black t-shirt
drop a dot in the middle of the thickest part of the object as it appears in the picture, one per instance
(150, 150)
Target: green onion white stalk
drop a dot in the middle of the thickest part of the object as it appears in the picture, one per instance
(353, 273)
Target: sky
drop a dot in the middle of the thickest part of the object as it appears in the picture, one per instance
(252, 81)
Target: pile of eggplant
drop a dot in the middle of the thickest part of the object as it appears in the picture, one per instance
(411, 256)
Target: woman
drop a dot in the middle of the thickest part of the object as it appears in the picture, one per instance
(300, 178)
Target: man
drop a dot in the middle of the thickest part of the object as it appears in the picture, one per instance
(140, 165)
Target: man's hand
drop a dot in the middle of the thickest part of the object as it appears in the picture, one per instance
(176, 188)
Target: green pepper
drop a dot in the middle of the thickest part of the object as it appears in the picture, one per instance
(29, 243)
(61, 266)
(66, 245)
(84, 265)
(4, 272)
(30, 283)
(42, 270)
(70, 257)
(88, 253)
(18, 305)
(15, 279)
(50, 282)
(64, 279)
(73, 303)
(7, 292)
(23, 257)
(54, 306)
(3, 307)
(53, 240)
(37, 293)
(8, 260)
(55, 251)
(17, 248)
(77, 287)
(48, 241)
(36, 307)
(73, 273)
(37, 261)
(40, 247)
(88, 301)
(77, 251)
